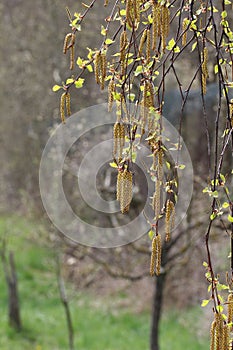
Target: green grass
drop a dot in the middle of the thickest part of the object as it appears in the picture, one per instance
(97, 325)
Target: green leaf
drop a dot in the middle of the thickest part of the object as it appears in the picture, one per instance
(151, 234)
(79, 83)
(89, 68)
(103, 31)
(131, 97)
(109, 41)
(113, 165)
(205, 302)
(138, 70)
(79, 62)
(56, 88)
(225, 205)
(224, 14)
(69, 81)
(194, 46)
(230, 218)
(216, 69)
(213, 216)
(171, 44)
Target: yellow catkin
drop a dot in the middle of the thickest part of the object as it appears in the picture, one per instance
(155, 23)
(156, 200)
(212, 335)
(184, 36)
(119, 185)
(153, 256)
(230, 308)
(118, 140)
(169, 219)
(111, 90)
(136, 8)
(124, 189)
(97, 64)
(129, 13)
(219, 331)
(123, 44)
(62, 107)
(231, 110)
(165, 18)
(158, 255)
(226, 337)
(148, 46)
(103, 68)
(204, 69)
(160, 164)
(66, 42)
(141, 43)
(72, 57)
(68, 111)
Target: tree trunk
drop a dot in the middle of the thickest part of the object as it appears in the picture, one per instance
(157, 310)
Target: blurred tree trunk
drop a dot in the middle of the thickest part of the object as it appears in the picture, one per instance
(12, 285)
(157, 310)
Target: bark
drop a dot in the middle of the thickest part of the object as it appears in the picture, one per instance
(157, 311)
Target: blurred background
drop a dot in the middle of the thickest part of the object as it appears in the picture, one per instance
(55, 294)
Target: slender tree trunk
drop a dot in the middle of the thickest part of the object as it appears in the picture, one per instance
(14, 310)
(157, 310)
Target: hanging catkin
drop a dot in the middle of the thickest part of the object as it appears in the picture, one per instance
(165, 18)
(142, 42)
(169, 219)
(111, 90)
(204, 69)
(62, 107)
(97, 64)
(158, 255)
(230, 308)
(184, 28)
(155, 23)
(153, 256)
(123, 45)
(118, 140)
(124, 189)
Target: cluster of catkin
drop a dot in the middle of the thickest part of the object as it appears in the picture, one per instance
(100, 68)
(160, 24)
(169, 219)
(132, 13)
(219, 334)
(204, 69)
(156, 254)
(124, 189)
(69, 42)
(118, 140)
(65, 106)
